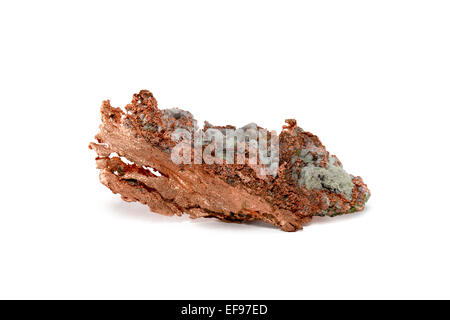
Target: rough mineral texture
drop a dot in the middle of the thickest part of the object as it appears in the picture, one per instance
(134, 157)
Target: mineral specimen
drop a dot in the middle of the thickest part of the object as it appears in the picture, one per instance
(163, 160)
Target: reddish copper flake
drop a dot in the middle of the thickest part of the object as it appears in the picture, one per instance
(135, 149)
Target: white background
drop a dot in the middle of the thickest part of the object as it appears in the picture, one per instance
(370, 78)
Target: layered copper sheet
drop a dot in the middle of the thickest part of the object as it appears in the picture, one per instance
(135, 149)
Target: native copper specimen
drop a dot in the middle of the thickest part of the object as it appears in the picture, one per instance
(134, 155)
